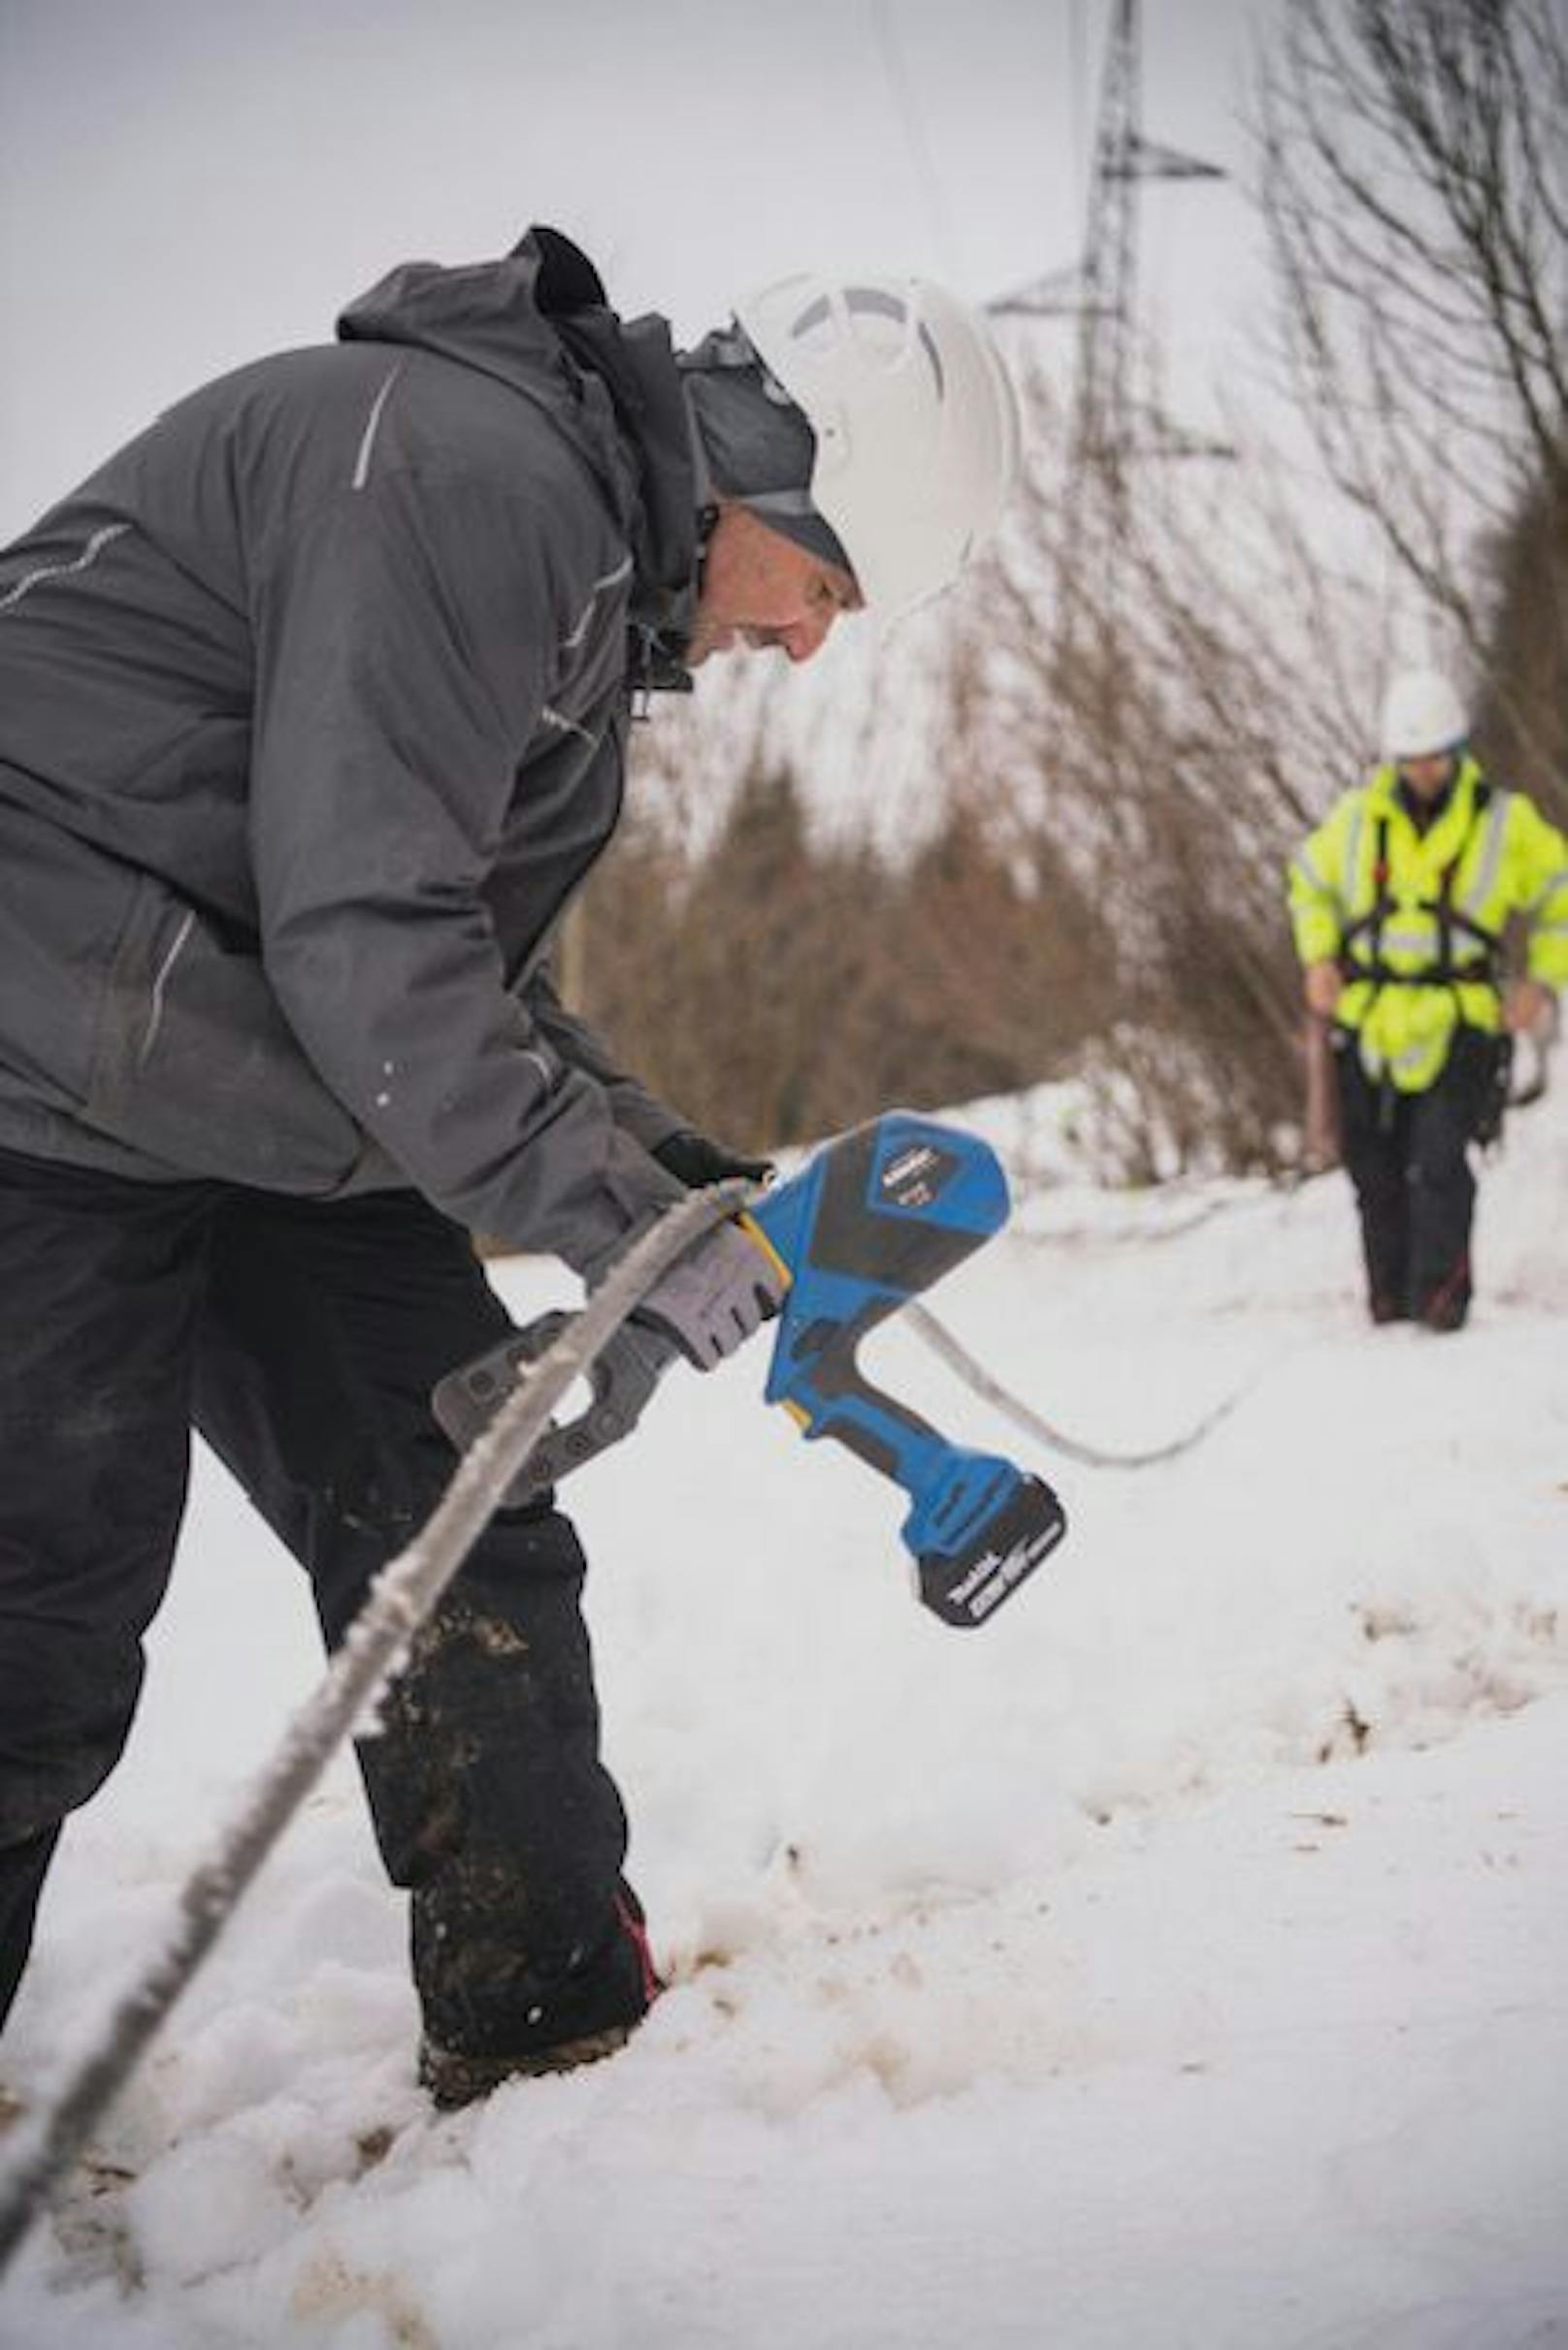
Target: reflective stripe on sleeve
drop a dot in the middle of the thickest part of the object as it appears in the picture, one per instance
(1485, 881)
(1306, 866)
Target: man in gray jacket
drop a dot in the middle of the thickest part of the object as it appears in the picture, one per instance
(313, 705)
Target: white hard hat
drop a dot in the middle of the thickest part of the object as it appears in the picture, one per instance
(915, 416)
(1423, 716)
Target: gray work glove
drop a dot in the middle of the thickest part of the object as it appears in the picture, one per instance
(723, 1290)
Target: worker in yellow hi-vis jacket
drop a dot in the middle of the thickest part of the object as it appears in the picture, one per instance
(1399, 902)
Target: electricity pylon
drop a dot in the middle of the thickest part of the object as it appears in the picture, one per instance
(1101, 292)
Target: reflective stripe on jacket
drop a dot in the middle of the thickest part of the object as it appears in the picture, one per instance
(1488, 855)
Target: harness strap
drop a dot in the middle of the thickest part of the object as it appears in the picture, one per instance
(1482, 972)
(1378, 913)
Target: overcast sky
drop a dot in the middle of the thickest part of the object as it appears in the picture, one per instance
(186, 184)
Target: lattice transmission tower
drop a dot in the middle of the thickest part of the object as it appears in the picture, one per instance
(1109, 433)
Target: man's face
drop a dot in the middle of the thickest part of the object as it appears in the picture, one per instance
(758, 589)
(1428, 778)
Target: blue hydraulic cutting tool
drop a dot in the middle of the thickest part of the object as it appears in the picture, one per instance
(877, 1215)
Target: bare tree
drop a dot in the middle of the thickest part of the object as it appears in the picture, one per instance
(1522, 715)
(1415, 185)
(1212, 689)
(1167, 751)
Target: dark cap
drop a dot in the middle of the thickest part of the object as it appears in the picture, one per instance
(757, 446)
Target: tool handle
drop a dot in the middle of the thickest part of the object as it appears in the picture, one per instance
(834, 1399)
(977, 1526)
(949, 1485)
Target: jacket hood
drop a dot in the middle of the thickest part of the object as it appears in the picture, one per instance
(540, 321)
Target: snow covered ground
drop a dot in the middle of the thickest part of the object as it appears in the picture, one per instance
(1178, 1961)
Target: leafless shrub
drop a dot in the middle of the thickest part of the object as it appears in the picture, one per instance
(783, 984)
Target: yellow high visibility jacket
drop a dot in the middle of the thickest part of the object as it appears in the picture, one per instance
(1414, 919)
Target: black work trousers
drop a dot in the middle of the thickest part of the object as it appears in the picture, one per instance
(303, 1340)
(1408, 1156)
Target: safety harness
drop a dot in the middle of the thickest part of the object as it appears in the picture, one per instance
(1479, 969)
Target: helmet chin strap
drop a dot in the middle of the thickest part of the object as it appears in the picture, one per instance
(706, 497)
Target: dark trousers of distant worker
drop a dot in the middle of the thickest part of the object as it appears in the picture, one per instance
(303, 1339)
(1408, 1156)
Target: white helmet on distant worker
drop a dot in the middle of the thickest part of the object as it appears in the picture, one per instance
(1423, 716)
(915, 416)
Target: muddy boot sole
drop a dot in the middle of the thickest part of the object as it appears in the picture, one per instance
(454, 2079)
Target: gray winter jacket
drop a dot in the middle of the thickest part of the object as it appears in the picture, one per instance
(313, 705)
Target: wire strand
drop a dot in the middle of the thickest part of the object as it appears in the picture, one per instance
(974, 1375)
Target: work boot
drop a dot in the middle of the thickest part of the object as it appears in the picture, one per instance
(575, 2017)
(1447, 1306)
(1448, 1312)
